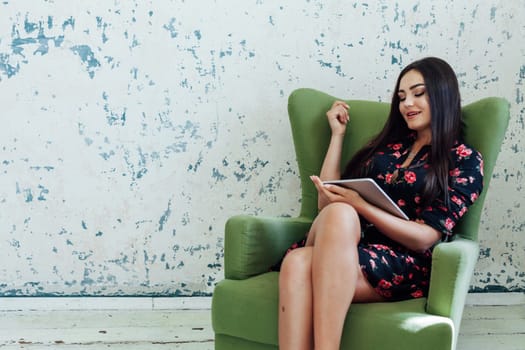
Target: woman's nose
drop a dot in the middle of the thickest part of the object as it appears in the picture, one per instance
(409, 101)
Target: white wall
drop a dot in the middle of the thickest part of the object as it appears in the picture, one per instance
(131, 130)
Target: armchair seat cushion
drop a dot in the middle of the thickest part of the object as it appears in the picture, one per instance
(248, 312)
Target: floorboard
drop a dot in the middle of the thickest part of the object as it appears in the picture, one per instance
(167, 324)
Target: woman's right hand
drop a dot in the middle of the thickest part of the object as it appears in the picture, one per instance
(338, 117)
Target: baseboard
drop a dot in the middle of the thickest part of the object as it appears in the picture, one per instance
(103, 303)
(499, 299)
(184, 303)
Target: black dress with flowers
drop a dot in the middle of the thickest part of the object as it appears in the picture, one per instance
(396, 272)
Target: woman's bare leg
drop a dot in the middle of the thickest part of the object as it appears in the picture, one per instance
(336, 273)
(295, 301)
(315, 307)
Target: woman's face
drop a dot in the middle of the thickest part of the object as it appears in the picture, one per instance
(414, 103)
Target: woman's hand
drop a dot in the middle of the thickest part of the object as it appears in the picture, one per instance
(327, 194)
(338, 117)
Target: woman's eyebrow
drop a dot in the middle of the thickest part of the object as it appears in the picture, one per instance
(412, 87)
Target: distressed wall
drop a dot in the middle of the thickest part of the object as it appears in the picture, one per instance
(131, 130)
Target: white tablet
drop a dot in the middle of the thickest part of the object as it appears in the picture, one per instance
(372, 193)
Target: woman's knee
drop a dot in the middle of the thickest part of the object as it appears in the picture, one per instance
(342, 211)
(296, 266)
(338, 219)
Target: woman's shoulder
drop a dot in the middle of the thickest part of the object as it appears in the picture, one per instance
(463, 152)
(463, 149)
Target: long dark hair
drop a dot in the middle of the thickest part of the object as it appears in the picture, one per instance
(445, 106)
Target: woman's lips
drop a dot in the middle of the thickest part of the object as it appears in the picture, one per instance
(411, 115)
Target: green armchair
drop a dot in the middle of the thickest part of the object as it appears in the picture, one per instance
(245, 303)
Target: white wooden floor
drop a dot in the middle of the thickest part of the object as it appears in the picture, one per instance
(491, 321)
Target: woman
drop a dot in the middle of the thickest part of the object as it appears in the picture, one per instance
(356, 252)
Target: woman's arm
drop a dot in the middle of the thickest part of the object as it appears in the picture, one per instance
(337, 119)
(414, 235)
(331, 169)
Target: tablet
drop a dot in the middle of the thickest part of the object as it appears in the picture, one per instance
(372, 193)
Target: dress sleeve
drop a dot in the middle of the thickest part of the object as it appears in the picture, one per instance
(465, 186)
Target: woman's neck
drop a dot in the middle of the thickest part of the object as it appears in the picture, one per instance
(423, 138)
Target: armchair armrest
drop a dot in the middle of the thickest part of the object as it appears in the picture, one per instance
(253, 244)
(452, 268)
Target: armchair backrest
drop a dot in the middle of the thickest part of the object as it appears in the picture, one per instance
(485, 125)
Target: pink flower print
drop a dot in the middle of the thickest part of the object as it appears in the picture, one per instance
(481, 167)
(385, 293)
(397, 146)
(473, 197)
(461, 180)
(456, 200)
(454, 172)
(449, 224)
(388, 178)
(410, 177)
(384, 284)
(398, 279)
(417, 294)
(463, 151)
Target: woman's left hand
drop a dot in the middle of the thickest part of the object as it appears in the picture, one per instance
(332, 193)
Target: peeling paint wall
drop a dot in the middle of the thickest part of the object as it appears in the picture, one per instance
(131, 130)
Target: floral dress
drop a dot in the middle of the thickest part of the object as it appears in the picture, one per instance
(395, 272)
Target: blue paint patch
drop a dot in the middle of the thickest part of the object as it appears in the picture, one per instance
(170, 27)
(87, 281)
(461, 29)
(198, 248)
(43, 192)
(115, 118)
(7, 68)
(194, 167)
(29, 27)
(87, 57)
(217, 175)
(38, 168)
(18, 43)
(337, 68)
(396, 61)
(69, 23)
(197, 34)
(28, 194)
(107, 155)
(103, 26)
(83, 255)
(420, 26)
(493, 14)
(164, 218)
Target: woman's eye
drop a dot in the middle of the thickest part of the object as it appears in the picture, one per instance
(401, 98)
(420, 94)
